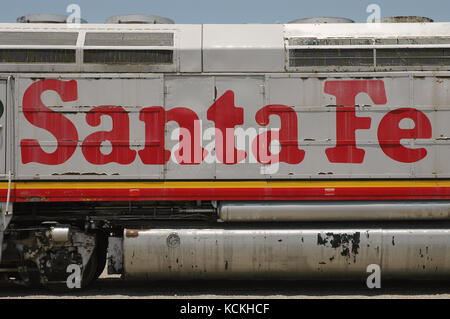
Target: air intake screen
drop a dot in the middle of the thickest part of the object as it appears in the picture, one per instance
(37, 56)
(369, 41)
(38, 38)
(413, 57)
(330, 41)
(144, 57)
(129, 39)
(330, 57)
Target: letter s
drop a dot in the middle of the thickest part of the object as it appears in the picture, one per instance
(43, 117)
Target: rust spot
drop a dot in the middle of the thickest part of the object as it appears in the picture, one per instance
(131, 233)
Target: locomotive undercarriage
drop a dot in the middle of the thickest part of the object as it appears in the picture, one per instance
(225, 240)
(41, 255)
(44, 239)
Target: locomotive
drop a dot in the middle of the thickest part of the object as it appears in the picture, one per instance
(312, 149)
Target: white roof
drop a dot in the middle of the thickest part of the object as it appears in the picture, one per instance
(216, 47)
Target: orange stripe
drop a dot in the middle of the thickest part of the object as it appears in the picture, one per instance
(223, 184)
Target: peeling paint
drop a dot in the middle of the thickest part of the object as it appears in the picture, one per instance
(349, 243)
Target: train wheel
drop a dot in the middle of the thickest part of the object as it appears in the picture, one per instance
(89, 276)
(90, 272)
(33, 276)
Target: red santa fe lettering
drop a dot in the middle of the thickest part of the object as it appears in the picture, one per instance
(226, 116)
(119, 137)
(390, 134)
(154, 153)
(288, 134)
(55, 123)
(190, 152)
(347, 122)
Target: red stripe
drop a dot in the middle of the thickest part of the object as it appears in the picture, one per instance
(143, 194)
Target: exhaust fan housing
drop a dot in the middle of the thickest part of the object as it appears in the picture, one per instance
(139, 19)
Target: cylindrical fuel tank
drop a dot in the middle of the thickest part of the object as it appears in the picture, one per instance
(330, 253)
(332, 211)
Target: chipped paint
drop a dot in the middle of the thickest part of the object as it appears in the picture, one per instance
(348, 243)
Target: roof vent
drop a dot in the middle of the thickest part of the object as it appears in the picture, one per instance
(322, 20)
(44, 18)
(139, 19)
(406, 19)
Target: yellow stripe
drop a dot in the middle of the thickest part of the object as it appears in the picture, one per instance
(223, 184)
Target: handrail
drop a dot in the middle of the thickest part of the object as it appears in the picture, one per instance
(9, 194)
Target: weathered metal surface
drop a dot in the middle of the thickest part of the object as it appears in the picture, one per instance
(115, 255)
(38, 250)
(366, 30)
(332, 211)
(44, 18)
(406, 19)
(216, 48)
(185, 47)
(119, 122)
(313, 100)
(338, 253)
(410, 51)
(243, 48)
(5, 208)
(3, 126)
(5, 218)
(59, 234)
(322, 20)
(138, 19)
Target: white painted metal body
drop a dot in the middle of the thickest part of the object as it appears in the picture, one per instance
(253, 62)
(304, 93)
(255, 66)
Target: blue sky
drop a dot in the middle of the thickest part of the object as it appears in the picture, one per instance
(229, 11)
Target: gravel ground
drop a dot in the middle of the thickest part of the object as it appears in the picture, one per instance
(113, 287)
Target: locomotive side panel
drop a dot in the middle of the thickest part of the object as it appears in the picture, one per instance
(189, 98)
(318, 127)
(3, 125)
(241, 133)
(121, 98)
